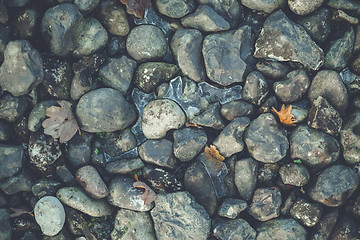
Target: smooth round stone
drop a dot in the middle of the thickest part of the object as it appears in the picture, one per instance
(263, 5)
(159, 116)
(90, 180)
(294, 174)
(50, 215)
(175, 8)
(114, 18)
(350, 139)
(304, 7)
(86, 5)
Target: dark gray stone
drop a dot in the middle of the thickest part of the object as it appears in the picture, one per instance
(306, 213)
(313, 147)
(237, 108)
(161, 180)
(283, 40)
(326, 224)
(256, 88)
(317, 24)
(26, 21)
(11, 160)
(81, 84)
(178, 216)
(282, 228)
(5, 131)
(114, 17)
(79, 149)
(188, 142)
(95, 114)
(304, 7)
(20, 182)
(116, 143)
(246, 171)
(346, 228)
(272, 69)
(232, 207)
(334, 185)
(38, 114)
(234, 229)
(22, 69)
(350, 138)
(4, 36)
(86, 5)
(294, 174)
(345, 5)
(44, 186)
(276, 144)
(175, 8)
(5, 224)
(210, 118)
(231, 10)
(65, 175)
(265, 204)
(159, 152)
(124, 166)
(16, 3)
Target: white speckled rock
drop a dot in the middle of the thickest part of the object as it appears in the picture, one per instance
(159, 116)
(50, 215)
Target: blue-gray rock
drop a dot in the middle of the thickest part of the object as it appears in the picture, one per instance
(304, 7)
(4, 37)
(11, 160)
(306, 213)
(283, 40)
(45, 186)
(272, 69)
(256, 88)
(188, 142)
(158, 152)
(79, 149)
(38, 114)
(20, 182)
(86, 5)
(96, 115)
(65, 175)
(281, 228)
(22, 68)
(116, 143)
(350, 139)
(5, 226)
(294, 174)
(81, 84)
(5, 131)
(234, 229)
(211, 117)
(178, 216)
(124, 166)
(246, 171)
(325, 226)
(175, 8)
(263, 5)
(16, 3)
(265, 204)
(232, 207)
(237, 108)
(114, 17)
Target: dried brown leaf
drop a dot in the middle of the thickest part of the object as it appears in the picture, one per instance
(136, 7)
(212, 152)
(149, 195)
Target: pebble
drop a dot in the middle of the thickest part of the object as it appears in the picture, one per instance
(317, 24)
(80, 84)
(38, 114)
(158, 152)
(5, 231)
(175, 8)
(44, 186)
(188, 142)
(161, 180)
(256, 88)
(272, 69)
(304, 7)
(294, 174)
(79, 149)
(232, 207)
(85, 5)
(116, 143)
(25, 21)
(281, 228)
(114, 18)
(11, 160)
(210, 118)
(124, 166)
(349, 139)
(20, 182)
(263, 5)
(306, 213)
(325, 226)
(90, 180)
(265, 204)
(230, 228)
(246, 171)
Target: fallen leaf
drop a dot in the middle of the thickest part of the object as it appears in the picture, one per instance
(285, 115)
(61, 122)
(149, 195)
(212, 152)
(136, 7)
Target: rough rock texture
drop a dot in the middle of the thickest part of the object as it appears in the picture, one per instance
(306, 213)
(159, 152)
(188, 142)
(281, 228)
(264, 6)
(245, 177)
(265, 204)
(350, 139)
(11, 158)
(234, 229)
(304, 7)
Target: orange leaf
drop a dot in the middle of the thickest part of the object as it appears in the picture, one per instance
(213, 153)
(136, 7)
(285, 115)
(149, 195)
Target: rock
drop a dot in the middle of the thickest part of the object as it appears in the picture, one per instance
(90, 180)
(4, 37)
(175, 8)
(159, 116)
(246, 171)
(146, 43)
(265, 204)
(85, 5)
(5, 131)
(210, 118)
(79, 150)
(272, 69)
(117, 73)
(22, 68)
(313, 147)
(282, 228)
(116, 143)
(325, 226)
(59, 26)
(304, 7)
(114, 18)
(133, 225)
(205, 19)
(237, 108)
(263, 5)
(76, 198)
(44, 186)
(16, 3)
(345, 5)
(188, 142)
(20, 182)
(96, 115)
(38, 114)
(230, 140)
(283, 40)
(293, 87)
(124, 166)
(4, 16)
(50, 215)
(65, 175)
(274, 149)
(256, 88)
(186, 47)
(178, 216)
(158, 152)
(231, 208)
(328, 84)
(324, 117)
(317, 24)
(294, 174)
(44, 151)
(161, 180)
(5, 227)
(151, 74)
(92, 38)
(228, 55)
(334, 185)
(306, 213)
(11, 160)
(92, 63)
(346, 228)
(26, 22)
(231, 229)
(349, 138)
(81, 84)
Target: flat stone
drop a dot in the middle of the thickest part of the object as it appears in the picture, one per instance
(210, 118)
(159, 152)
(281, 228)
(306, 213)
(124, 166)
(238, 228)
(11, 158)
(236, 108)
(246, 171)
(350, 139)
(188, 142)
(90, 180)
(256, 88)
(265, 204)
(304, 7)
(175, 8)
(294, 174)
(232, 207)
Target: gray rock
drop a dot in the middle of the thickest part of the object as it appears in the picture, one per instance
(186, 47)
(205, 19)
(276, 144)
(16, 3)
(328, 84)
(232, 207)
(65, 175)
(158, 152)
(114, 18)
(79, 150)
(124, 166)
(59, 26)
(76, 198)
(50, 215)
(282, 228)
(230, 140)
(324, 117)
(90, 180)
(306, 213)
(304, 7)
(350, 139)
(81, 84)
(317, 24)
(38, 114)
(5, 131)
(325, 226)
(146, 43)
(45, 186)
(345, 228)
(117, 73)
(161, 115)
(234, 229)
(210, 118)
(11, 160)
(5, 226)
(116, 143)
(44, 151)
(227, 55)
(26, 22)
(315, 148)
(85, 5)
(283, 40)
(4, 37)
(131, 225)
(256, 88)
(293, 87)
(22, 68)
(4, 16)
(294, 174)
(246, 171)
(178, 216)
(340, 51)
(20, 182)
(263, 5)
(345, 5)
(334, 185)
(96, 115)
(235, 109)
(161, 180)
(175, 8)
(272, 69)
(265, 204)
(188, 142)
(92, 38)
(124, 195)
